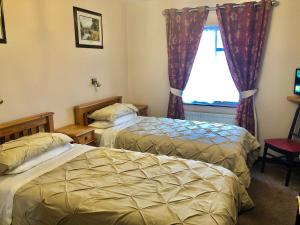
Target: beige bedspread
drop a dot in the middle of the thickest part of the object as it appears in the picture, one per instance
(114, 187)
(229, 146)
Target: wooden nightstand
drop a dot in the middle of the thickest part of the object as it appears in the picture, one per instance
(143, 109)
(80, 134)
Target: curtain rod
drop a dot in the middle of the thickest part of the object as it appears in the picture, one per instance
(274, 3)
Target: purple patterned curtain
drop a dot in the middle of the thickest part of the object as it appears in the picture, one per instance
(243, 31)
(184, 32)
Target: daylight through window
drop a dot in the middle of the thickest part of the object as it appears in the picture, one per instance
(210, 80)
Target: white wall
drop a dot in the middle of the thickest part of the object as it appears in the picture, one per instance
(147, 57)
(42, 70)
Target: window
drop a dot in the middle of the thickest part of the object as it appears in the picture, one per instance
(210, 81)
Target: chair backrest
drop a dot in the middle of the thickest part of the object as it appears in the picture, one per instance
(295, 128)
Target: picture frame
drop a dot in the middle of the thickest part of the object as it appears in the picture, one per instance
(88, 28)
(2, 25)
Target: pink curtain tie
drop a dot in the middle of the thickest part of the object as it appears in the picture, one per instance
(176, 92)
(248, 94)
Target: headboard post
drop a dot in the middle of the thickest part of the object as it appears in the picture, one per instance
(26, 126)
(81, 111)
(49, 127)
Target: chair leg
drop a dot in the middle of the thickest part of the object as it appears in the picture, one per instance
(290, 164)
(264, 158)
(298, 212)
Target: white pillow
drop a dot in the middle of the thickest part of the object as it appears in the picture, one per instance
(40, 159)
(112, 112)
(118, 121)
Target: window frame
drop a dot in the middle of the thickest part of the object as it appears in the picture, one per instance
(214, 104)
(220, 104)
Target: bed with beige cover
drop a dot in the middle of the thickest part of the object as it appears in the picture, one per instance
(87, 185)
(229, 146)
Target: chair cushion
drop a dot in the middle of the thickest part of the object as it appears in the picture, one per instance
(284, 144)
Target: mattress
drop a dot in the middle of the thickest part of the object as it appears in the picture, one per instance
(109, 186)
(229, 146)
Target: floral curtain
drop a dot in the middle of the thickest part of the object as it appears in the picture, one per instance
(184, 32)
(243, 30)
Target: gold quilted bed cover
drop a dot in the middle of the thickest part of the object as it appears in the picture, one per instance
(118, 187)
(229, 146)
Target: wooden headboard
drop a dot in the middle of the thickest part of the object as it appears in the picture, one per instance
(26, 126)
(82, 111)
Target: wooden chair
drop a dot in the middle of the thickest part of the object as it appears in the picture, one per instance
(289, 148)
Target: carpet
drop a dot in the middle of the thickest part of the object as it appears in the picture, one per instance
(275, 204)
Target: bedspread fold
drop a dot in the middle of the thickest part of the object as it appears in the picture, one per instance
(114, 187)
(229, 146)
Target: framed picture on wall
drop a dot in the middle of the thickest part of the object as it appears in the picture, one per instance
(2, 25)
(88, 28)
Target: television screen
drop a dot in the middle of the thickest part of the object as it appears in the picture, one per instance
(297, 82)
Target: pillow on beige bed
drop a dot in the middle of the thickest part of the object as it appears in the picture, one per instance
(119, 121)
(112, 112)
(16, 152)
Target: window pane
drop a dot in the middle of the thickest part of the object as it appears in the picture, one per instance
(219, 40)
(210, 79)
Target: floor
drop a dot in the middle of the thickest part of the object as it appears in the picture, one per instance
(275, 204)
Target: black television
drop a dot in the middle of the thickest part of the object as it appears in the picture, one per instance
(297, 82)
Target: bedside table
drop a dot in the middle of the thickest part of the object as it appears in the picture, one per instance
(143, 109)
(81, 134)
